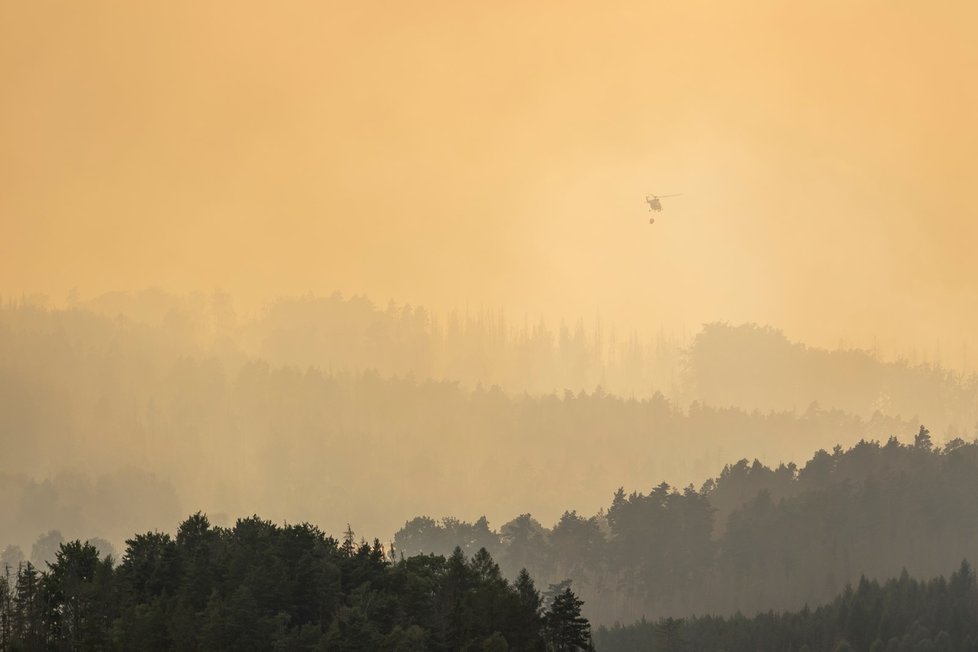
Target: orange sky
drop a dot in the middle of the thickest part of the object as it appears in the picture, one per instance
(497, 153)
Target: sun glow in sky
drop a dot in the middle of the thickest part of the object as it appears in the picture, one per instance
(498, 154)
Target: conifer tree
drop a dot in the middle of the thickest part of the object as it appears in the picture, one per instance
(566, 629)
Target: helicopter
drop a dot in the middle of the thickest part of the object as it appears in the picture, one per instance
(655, 204)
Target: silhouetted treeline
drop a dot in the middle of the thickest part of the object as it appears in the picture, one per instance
(755, 367)
(746, 366)
(354, 334)
(752, 539)
(84, 397)
(900, 615)
(259, 586)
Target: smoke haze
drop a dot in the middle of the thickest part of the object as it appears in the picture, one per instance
(457, 155)
(389, 266)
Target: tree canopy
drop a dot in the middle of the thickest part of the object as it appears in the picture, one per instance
(261, 586)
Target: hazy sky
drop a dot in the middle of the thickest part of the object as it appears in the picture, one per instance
(498, 153)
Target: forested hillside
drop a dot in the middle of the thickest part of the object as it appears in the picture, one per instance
(754, 367)
(776, 558)
(652, 317)
(125, 412)
(526, 354)
(899, 615)
(752, 539)
(111, 425)
(259, 586)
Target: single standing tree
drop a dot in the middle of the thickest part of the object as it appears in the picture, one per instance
(526, 625)
(922, 440)
(78, 595)
(566, 630)
(28, 626)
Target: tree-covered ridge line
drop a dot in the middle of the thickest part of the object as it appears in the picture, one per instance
(752, 539)
(353, 334)
(260, 586)
(899, 615)
(236, 435)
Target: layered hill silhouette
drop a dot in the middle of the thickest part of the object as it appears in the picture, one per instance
(750, 540)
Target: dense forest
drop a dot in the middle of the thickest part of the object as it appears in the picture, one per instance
(337, 334)
(454, 326)
(900, 615)
(752, 539)
(112, 425)
(813, 558)
(127, 411)
(259, 586)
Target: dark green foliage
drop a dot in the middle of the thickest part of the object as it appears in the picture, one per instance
(909, 615)
(564, 627)
(78, 590)
(752, 539)
(260, 586)
(527, 616)
(30, 618)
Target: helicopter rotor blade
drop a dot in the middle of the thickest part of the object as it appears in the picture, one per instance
(675, 195)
